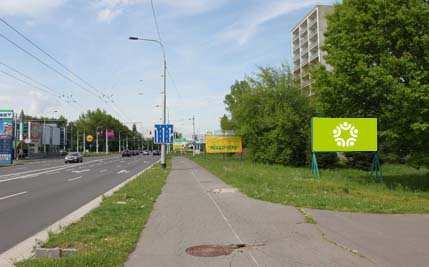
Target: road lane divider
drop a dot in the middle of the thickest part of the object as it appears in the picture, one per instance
(13, 195)
(34, 173)
(74, 179)
(25, 249)
(86, 170)
(123, 171)
(49, 168)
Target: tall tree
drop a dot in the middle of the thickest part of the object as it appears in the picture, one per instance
(272, 116)
(379, 51)
(225, 124)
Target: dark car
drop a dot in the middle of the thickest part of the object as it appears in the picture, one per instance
(156, 152)
(73, 157)
(126, 153)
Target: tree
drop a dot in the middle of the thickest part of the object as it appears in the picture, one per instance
(379, 51)
(226, 124)
(272, 116)
(99, 120)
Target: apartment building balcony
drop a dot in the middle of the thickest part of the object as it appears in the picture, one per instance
(313, 46)
(314, 57)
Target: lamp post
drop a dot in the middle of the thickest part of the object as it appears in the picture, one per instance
(194, 141)
(164, 102)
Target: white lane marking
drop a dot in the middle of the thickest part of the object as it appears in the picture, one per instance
(74, 179)
(56, 172)
(13, 195)
(53, 168)
(223, 215)
(103, 171)
(86, 170)
(123, 171)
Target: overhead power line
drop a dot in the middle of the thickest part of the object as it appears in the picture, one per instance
(46, 64)
(158, 32)
(49, 55)
(92, 89)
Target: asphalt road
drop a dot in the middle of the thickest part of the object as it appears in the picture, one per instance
(37, 194)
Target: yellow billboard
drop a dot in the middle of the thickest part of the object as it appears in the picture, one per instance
(223, 144)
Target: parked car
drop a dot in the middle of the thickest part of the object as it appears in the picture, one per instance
(126, 153)
(73, 157)
(145, 153)
(156, 153)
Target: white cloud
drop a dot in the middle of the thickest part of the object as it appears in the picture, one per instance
(107, 15)
(250, 22)
(109, 9)
(30, 8)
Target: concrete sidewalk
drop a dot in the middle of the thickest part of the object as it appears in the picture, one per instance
(193, 210)
(388, 239)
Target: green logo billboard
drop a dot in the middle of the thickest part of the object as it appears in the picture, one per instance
(344, 134)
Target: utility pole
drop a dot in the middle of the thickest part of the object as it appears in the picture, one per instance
(194, 141)
(77, 140)
(164, 102)
(120, 149)
(127, 142)
(65, 138)
(107, 143)
(96, 137)
(43, 139)
(84, 142)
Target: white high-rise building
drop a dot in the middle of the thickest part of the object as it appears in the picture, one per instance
(307, 39)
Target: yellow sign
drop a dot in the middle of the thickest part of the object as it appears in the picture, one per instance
(179, 147)
(223, 144)
(89, 138)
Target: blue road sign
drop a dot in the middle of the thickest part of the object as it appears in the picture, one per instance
(163, 134)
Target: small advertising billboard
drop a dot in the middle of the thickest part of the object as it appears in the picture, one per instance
(223, 144)
(344, 134)
(6, 137)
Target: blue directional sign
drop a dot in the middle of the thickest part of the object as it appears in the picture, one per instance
(163, 134)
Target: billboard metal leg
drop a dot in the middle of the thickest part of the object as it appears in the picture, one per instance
(314, 166)
(376, 171)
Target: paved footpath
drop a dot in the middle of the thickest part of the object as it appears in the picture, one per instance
(387, 239)
(192, 211)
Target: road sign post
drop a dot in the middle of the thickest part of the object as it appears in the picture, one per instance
(163, 134)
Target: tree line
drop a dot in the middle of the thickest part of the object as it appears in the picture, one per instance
(379, 53)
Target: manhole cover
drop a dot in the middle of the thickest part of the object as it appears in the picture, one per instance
(213, 250)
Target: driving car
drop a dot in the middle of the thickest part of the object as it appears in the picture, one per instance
(126, 153)
(145, 153)
(156, 152)
(73, 157)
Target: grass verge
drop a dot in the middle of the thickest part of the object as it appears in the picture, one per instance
(109, 233)
(404, 189)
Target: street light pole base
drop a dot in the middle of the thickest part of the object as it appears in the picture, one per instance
(163, 165)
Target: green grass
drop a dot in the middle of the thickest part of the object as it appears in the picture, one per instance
(108, 234)
(404, 189)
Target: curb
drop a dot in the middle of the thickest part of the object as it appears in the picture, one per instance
(25, 249)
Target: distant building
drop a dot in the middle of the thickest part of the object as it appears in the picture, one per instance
(307, 39)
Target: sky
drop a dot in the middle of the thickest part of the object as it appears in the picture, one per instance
(209, 45)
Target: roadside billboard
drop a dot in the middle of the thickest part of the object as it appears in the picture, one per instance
(223, 144)
(179, 144)
(344, 134)
(6, 137)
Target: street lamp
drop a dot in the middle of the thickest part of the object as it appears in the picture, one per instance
(164, 102)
